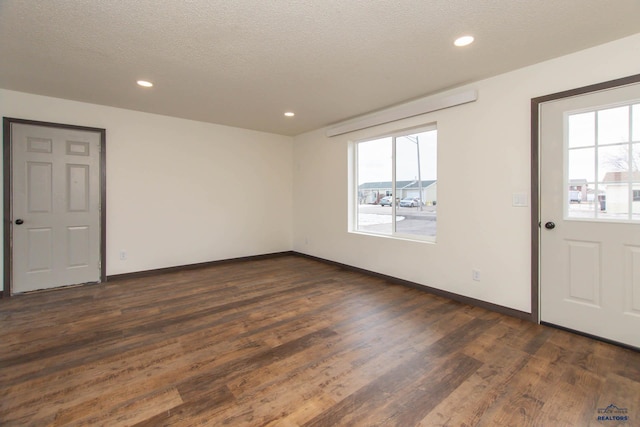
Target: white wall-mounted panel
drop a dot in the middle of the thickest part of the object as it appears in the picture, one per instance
(409, 109)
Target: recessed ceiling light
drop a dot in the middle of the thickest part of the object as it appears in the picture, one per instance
(463, 41)
(289, 114)
(144, 83)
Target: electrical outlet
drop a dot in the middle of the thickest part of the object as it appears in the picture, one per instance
(123, 255)
(475, 275)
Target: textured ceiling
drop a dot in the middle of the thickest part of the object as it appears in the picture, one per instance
(245, 62)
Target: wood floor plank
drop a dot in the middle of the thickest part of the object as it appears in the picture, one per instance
(373, 395)
(573, 400)
(348, 358)
(469, 402)
(113, 380)
(291, 341)
(125, 414)
(414, 402)
(534, 382)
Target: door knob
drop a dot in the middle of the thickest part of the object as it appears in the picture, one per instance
(550, 225)
(19, 221)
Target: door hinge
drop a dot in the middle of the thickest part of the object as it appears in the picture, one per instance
(100, 265)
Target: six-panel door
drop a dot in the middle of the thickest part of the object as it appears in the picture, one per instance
(56, 207)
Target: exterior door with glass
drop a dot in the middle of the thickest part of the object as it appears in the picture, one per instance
(590, 213)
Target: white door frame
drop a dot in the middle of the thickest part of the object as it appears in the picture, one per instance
(535, 178)
(8, 199)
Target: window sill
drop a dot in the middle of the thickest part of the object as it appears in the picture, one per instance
(401, 237)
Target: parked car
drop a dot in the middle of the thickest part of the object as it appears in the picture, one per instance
(410, 202)
(386, 201)
(575, 196)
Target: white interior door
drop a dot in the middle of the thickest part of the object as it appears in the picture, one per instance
(590, 212)
(55, 207)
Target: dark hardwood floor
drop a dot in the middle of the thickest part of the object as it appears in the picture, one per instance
(291, 341)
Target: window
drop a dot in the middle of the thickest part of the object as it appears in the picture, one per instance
(397, 185)
(603, 163)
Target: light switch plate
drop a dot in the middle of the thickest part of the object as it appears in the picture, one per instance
(520, 200)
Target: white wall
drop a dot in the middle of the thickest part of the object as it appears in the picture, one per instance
(483, 159)
(182, 192)
(178, 191)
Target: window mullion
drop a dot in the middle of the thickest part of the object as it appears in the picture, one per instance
(597, 166)
(394, 199)
(631, 172)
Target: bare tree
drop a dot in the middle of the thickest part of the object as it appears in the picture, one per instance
(625, 160)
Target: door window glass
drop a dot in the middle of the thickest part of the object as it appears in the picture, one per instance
(613, 125)
(581, 128)
(603, 164)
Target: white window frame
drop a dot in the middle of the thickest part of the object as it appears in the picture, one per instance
(597, 184)
(354, 197)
